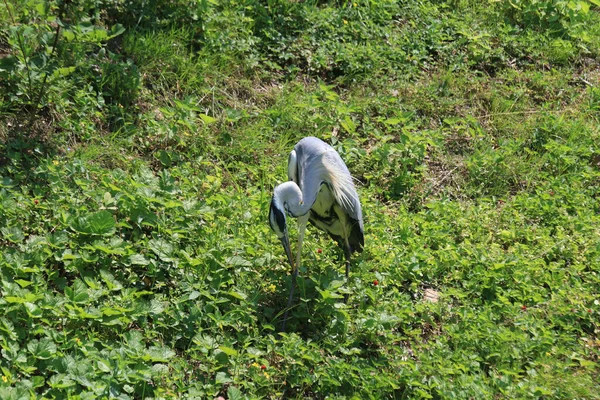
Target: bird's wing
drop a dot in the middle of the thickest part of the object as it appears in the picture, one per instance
(342, 185)
(318, 162)
(346, 196)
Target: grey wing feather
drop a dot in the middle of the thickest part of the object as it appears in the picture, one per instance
(318, 162)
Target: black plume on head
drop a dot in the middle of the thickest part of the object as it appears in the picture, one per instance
(279, 218)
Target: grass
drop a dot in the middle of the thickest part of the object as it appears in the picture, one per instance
(137, 261)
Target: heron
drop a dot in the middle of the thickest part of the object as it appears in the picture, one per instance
(321, 191)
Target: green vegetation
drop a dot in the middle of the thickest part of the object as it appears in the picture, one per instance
(139, 145)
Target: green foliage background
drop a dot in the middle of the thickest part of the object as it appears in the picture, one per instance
(139, 145)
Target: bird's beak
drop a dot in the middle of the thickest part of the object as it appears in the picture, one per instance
(286, 245)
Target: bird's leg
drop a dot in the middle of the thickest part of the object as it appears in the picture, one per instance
(348, 255)
(302, 221)
(289, 304)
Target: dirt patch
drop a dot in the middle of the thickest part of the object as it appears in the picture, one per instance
(445, 174)
(431, 295)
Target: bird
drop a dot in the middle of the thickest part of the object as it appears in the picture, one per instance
(320, 190)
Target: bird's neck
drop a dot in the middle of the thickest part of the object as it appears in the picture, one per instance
(289, 196)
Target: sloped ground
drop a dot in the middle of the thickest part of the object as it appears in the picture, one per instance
(136, 256)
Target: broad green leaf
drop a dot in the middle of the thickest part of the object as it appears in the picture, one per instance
(348, 124)
(89, 313)
(138, 259)
(78, 293)
(37, 381)
(222, 378)
(96, 35)
(194, 295)
(255, 352)
(42, 8)
(60, 381)
(238, 261)
(98, 223)
(115, 310)
(156, 307)
(23, 283)
(234, 393)
(91, 282)
(116, 30)
(13, 234)
(207, 119)
(111, 282)
(33, 310)
(162, 248)
(228, 350)
(103, 365)
(392, 121)
(7, 327)
(68, 35)
(237, 295)
(28, 297)
(160, 370)
(42, 349)
(158, 354)
(108, 249)
(63, 72)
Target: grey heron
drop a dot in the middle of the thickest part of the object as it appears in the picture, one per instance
(320, 190)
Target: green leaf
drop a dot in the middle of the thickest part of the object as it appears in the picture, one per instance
(111, 282)
(158, 354)
(255, 352)
(8, 327)
(33, 310)
(103, 365)
(60, 381)
(206, 119)
(63, 72)
(115, 310)
(156, 307)
(162, 248)
(238, 261)
(116, 30)
(42, 8)
(138, 259)
(392, 121)
(237, 295)
(98, 223)
(78, 293)
(23, 283)
(348, 124)
(13, 234)
(42, 349)
(68, 35)
(234, 393)
(222, 378)
(228, 350)
(587, 363)
(27, 298)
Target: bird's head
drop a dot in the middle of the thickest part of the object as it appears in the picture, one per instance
(277, 218)
(282, 195)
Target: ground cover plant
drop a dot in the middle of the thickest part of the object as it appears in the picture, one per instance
(139, 146)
